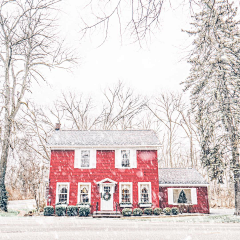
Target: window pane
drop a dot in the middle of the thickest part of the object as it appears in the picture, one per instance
(144, 195)
(176, 194)
(125, 158)
(85, 158)
(84, 194)
(62, 193)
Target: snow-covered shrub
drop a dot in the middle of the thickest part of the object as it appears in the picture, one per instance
(148, 211)
(84, 211)
(175, 211)
(72, 210)
(127, 212)
(137, 212)
(157, 211)
(48, 211)
(60, 210)
(167, 211)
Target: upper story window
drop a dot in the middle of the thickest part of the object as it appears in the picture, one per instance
(62, 193)
(85, 158)
(125, 158)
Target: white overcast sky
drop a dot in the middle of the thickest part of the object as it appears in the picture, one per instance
(157, 67)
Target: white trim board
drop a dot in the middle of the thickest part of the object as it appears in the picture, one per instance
(99, 147)
(183, 185)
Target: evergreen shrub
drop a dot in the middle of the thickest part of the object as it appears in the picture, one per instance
(60, 211)
(72, 210)
(48, 211)
(157, 211)
(167, 211)
(84, 211)
(127, 212)
(137, 212)
(148, 211)
(175, 211)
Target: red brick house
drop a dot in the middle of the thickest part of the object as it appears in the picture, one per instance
(108, 168)
(172, 181)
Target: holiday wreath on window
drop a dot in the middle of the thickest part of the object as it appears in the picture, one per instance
(107, 196)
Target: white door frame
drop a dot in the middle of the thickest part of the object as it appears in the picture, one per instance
(110, 183)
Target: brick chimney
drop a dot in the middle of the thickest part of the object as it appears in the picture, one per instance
(57, 127)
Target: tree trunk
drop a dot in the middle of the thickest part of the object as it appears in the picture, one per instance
(237, 191)
(3, 166)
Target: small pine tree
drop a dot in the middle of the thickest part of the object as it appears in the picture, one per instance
(182, 197)
(3, 198)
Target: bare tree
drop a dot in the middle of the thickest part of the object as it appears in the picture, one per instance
(28, 42)
(121, 108)
(118, 110)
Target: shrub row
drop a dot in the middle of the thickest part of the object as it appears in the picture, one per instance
(69, 211)
(169, 211)
(150, 211)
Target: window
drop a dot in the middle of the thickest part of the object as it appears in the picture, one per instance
(84, 192)
(125, 192)
(85, 158)
(182, 196)
(125, 158)
(62, 193)
(145, 193)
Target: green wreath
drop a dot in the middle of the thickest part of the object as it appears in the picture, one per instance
(107, 196)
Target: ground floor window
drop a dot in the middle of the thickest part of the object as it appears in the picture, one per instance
(125, 192)
(84, 192)
(62, 193)
(144, 192)
(182, 196)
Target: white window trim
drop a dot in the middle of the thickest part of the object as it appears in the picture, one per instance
(89, 193)
(120, 191)
(133, 153)
(193, 196)
(92, 157)
(139, 191)
(57, 197)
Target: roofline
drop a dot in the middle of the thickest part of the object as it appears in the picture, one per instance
(184, 185)
(108, 147)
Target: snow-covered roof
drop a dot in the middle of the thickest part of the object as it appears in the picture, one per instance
(180, 176)
(104, 138)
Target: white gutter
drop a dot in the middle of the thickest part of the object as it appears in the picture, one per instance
(100, 147)
(184, 185)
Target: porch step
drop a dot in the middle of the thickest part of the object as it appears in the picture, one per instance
(106, 214)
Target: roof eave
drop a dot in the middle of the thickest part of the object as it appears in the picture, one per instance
(109, 147)
(183, 184)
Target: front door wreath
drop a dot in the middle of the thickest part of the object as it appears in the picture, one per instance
(107, 196)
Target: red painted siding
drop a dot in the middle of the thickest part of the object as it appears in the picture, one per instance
(62, 170)
(202, 199)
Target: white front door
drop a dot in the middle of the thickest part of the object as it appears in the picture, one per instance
(107, 198)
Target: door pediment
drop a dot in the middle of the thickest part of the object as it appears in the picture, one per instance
(106, 180)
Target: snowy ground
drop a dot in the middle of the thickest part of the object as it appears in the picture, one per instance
(22, 205)
(67, 228)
